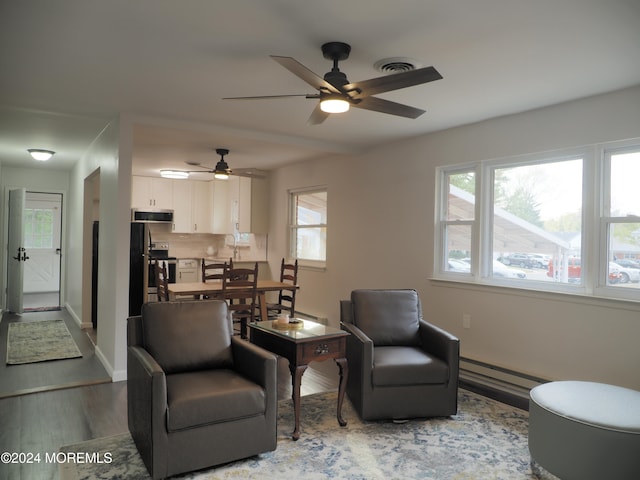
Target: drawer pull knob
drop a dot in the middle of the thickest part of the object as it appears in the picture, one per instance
(320, 349)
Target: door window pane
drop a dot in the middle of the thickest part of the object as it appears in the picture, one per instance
(38, 228)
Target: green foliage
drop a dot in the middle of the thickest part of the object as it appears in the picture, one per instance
(465, 181)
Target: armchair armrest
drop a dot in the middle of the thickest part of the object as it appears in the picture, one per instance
(255, 363)
(359, 341)
(360, 358)
(146, 386)
(442, 344)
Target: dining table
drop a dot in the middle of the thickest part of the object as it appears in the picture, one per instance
(213, 288)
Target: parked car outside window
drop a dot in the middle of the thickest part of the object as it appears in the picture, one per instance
(626, 275)
(627, 263)
(501, 270)
(518, 259)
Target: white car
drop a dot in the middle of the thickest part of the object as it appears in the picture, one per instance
(626, 274)
(458, 266)
(501, 270)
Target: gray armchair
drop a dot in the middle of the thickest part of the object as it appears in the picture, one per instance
(400, 366)
(197, 397)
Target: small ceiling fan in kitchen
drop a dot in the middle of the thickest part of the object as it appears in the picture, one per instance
(221, 171)
(337, 94)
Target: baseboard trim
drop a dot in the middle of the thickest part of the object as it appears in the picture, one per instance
(502, 384)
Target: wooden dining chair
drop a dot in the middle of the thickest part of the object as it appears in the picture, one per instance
(239, 290)
(286, 296)
(213, 271)
(162, 282)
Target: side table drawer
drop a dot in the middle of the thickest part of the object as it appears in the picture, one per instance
(322, 350)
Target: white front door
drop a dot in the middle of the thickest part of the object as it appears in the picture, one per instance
(17, 252)
(42, 223)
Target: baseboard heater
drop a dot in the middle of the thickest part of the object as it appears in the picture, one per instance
(312, 316)
(501, 381)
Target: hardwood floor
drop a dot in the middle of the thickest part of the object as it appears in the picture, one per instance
(29, 378)
(44, 421)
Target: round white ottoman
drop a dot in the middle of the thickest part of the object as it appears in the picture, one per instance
(585, 430)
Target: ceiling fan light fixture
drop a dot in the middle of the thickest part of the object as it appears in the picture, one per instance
(221, 171)
(40, 154)
(334, 104)
(175, 174)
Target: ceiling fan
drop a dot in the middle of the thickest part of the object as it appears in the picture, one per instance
(337, 94)
(221, 171)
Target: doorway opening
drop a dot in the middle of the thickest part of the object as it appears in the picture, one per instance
(42, 227)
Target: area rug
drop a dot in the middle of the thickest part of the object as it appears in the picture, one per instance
(42, 309)
(486, 440)
(30, 342)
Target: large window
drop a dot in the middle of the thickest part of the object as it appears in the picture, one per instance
(308, 226)
(568, 221)
(620, 221)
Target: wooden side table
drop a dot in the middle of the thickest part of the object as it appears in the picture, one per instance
(312, 342)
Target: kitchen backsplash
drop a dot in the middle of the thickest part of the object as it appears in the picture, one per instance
(250, 247)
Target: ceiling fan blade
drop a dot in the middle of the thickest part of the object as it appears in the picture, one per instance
(317, 116)
(250, 172)
(305, 74)
(386, 106)
(262, 97)
(394, 81)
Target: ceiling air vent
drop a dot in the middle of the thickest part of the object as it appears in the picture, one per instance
(395, 65)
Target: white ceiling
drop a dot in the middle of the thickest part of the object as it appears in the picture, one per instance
(70, 65)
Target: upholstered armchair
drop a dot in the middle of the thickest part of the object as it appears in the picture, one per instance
(197, 397)
(400, 366)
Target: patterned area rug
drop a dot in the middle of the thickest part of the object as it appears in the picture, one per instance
(29, 342)
(485, 440)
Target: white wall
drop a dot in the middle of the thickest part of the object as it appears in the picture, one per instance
(381, 235)
(111, 154)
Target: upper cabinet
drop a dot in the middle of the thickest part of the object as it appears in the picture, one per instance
(151, 192)
(249, 204)
(239, 204)
(192, 206)
(255, 193)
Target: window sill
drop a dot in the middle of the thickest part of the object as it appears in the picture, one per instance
(567, 296)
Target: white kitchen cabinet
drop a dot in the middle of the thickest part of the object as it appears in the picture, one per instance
(248, 206)
(151, 192)
(202, 207)
(221, 218)
(254, 205)
(192, 206)
(188, 270)
(182, 206)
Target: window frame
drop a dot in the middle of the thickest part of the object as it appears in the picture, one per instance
(596, 183)
(293, 227)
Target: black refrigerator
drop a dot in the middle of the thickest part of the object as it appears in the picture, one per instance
(138, 266)
(94, 274)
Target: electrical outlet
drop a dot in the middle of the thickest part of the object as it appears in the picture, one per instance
(466, 320)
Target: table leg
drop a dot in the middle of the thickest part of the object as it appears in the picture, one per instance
(262, 299)
(344, 374)
(296, 379)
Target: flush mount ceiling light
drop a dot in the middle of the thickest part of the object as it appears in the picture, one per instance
(334, 104)
(222, 170)
(40, 155)
(175, 174)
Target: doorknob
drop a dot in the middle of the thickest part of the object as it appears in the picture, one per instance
(22, 256)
